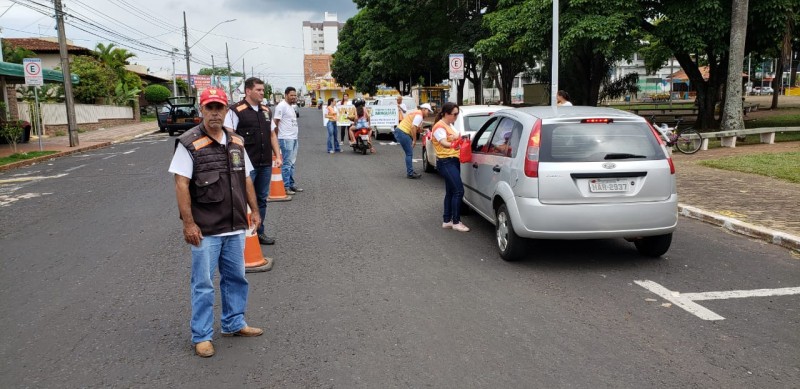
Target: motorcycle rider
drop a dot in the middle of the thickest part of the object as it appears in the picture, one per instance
(360, 120)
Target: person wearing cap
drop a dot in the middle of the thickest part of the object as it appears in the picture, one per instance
(406, 134)
(214, 189)
(251, 120)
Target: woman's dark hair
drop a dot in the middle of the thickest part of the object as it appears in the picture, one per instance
(446, 108)
(563, 94)
(330, 101)
(359, 110)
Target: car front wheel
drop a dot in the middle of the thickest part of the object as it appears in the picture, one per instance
(426, 165)
(509, 244)
(653, 246)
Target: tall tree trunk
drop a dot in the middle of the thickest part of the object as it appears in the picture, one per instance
(460, 91)
(733, 117)
(786, 50)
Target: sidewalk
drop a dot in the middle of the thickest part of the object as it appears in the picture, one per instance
(87, 141)
(749, 204)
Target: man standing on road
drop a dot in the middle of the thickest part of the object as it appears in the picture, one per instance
(287, 129)
(406, 134)
(250, 118)
(213, 188)
(343, 129)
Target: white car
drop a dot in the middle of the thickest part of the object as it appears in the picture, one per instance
(470, 119)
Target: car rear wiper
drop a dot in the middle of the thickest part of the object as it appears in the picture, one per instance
(623, 156)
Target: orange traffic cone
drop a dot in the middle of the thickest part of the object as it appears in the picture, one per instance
(254, 259)
(277, 192)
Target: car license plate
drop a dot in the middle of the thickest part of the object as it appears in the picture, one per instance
(608, 185)
(364, 137)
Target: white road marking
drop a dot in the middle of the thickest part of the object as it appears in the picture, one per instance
(31, 178)
(8, 200)
(686, 300)
(74, 168)
(677, 299)
(737, 294)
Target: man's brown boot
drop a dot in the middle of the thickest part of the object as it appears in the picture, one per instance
(204, 349)
(246, 331)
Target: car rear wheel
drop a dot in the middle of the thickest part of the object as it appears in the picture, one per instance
(171, 132)
(426, 165)
(509, 244)
(653, 246)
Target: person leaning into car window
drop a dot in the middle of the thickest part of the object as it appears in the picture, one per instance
(250, 118)
(406, 134)
(447, 163)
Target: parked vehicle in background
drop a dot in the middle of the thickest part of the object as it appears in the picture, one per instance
(161, 117)
(390, 100)
(183, 115)
(767, 90)
(572, 173)
(470, 119)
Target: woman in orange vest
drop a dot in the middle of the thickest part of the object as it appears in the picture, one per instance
(406, 134)
(332, 115)
(445, 142)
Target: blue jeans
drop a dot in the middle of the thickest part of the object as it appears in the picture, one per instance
(262, 176)
(405, 142)
(227, 254)
(450, 170)
(333, 144)
(289, 153)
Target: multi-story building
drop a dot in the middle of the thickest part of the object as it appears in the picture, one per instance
(320, 40)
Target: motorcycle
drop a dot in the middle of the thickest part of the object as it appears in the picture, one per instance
(362, 143)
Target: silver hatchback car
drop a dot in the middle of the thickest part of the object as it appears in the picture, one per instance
(572, 173)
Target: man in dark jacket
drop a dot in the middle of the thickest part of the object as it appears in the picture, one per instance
(214, 188)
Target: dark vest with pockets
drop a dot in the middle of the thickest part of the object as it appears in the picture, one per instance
(218, 187)
(255, 127)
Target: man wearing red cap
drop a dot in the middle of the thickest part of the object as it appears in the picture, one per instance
(213, 186)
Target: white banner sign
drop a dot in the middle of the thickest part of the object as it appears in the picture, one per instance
(456, 66)
(33, 71)
(383, 115)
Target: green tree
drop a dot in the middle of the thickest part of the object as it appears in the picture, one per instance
(156, 94)
(219, 71)
(98, 81)
(14, 54)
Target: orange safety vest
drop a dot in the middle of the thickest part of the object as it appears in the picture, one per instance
(332, 114)
(441, 151)
(407, 123)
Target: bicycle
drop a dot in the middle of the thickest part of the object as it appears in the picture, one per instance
(687, 141)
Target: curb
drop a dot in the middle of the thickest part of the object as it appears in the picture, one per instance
(36, 160)
(779, 238)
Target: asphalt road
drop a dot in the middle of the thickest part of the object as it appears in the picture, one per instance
(367, 291)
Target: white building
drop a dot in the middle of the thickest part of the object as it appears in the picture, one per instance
(321, 37)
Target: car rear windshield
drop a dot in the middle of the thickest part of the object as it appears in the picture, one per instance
(475, 122)
(582, 142)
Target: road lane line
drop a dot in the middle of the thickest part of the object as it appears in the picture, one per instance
(679, 300)
(32, 178)
(74, 168)
(737, 294)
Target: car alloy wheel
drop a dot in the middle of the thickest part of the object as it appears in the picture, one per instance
(508, 242)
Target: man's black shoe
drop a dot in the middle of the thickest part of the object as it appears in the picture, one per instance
(414, 175)
(296, 189)
(264, 239)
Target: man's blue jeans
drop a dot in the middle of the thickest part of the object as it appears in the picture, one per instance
(261, 176)
(450, 170)
(289, 155)
(333, 144)
(227, 254)
(405, 142)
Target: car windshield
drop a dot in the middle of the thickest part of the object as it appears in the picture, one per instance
(581, 142)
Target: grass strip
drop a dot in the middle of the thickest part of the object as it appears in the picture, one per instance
(23, 156)
(783, 166)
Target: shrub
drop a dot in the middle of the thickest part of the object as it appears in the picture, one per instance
(156, 94)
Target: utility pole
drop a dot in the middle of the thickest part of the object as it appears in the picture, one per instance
(174, 80)
(186, 42)
(69, 98)
(212, 71)
(230, 89)
(244, 75)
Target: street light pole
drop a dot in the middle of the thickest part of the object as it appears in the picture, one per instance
(230, 91)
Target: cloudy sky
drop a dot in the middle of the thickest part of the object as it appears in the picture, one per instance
(267, 34)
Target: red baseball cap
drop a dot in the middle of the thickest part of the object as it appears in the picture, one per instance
(213, 95)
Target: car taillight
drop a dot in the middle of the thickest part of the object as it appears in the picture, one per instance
(169, 120)
(197, 120)
(661, 143)
(532, 152)
(598, 120)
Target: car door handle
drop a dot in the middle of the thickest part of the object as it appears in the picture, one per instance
(474, 165)
(496, 168)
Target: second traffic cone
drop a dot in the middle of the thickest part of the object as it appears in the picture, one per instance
(254, 259)
(277, 192)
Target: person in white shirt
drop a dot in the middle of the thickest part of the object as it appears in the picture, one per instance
(562, 98)
(287, 130)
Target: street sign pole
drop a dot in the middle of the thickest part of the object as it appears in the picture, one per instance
(37, 122)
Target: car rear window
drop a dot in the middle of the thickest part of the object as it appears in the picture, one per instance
(475, 122)
(582, 142)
